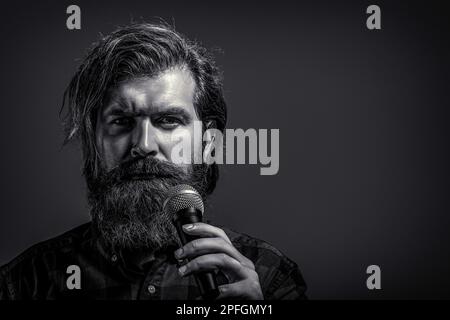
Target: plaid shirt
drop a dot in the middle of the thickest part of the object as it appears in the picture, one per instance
(41, 272)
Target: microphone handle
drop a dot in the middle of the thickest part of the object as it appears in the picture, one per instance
(206, 281)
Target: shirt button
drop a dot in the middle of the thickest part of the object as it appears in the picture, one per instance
(151, 289)
(114, 258)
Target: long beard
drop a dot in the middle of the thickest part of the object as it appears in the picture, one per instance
(127, 201)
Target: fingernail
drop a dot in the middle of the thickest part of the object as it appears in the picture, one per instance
(179, 253)
(181, 270)
(188, 226)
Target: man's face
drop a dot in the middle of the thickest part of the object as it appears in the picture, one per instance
(137, 128)
(147, 116)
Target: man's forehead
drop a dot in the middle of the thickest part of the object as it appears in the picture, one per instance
(171, 88)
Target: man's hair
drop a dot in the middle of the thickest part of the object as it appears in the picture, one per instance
(134, 51)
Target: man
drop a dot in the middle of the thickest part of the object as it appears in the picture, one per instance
(137, 93)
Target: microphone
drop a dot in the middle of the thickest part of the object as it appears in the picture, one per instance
(185, 205)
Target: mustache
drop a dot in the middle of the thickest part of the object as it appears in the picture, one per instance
(145, 169)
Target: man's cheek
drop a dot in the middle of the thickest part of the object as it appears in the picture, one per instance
(114, 152)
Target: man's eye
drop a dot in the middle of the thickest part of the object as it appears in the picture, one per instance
(124, 122)
(169, 122)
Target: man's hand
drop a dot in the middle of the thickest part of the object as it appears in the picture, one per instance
(215, 251)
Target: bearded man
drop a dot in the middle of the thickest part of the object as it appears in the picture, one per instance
(137, 92)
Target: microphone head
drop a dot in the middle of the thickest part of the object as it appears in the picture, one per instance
(181, 197)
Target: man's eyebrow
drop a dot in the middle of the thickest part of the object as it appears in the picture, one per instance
(115, 108)
(173, 110)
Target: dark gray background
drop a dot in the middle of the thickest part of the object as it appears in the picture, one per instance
(362, 114)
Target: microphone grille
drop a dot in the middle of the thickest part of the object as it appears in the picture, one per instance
(181, 197)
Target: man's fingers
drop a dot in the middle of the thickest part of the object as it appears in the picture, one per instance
(213, 250)
(211, 245)
(240, 290)
(205, 230)
(229, 266)
(233, 290)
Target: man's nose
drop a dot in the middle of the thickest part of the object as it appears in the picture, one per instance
(145, 140)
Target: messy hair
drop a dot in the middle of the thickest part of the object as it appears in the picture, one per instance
(134, 51)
